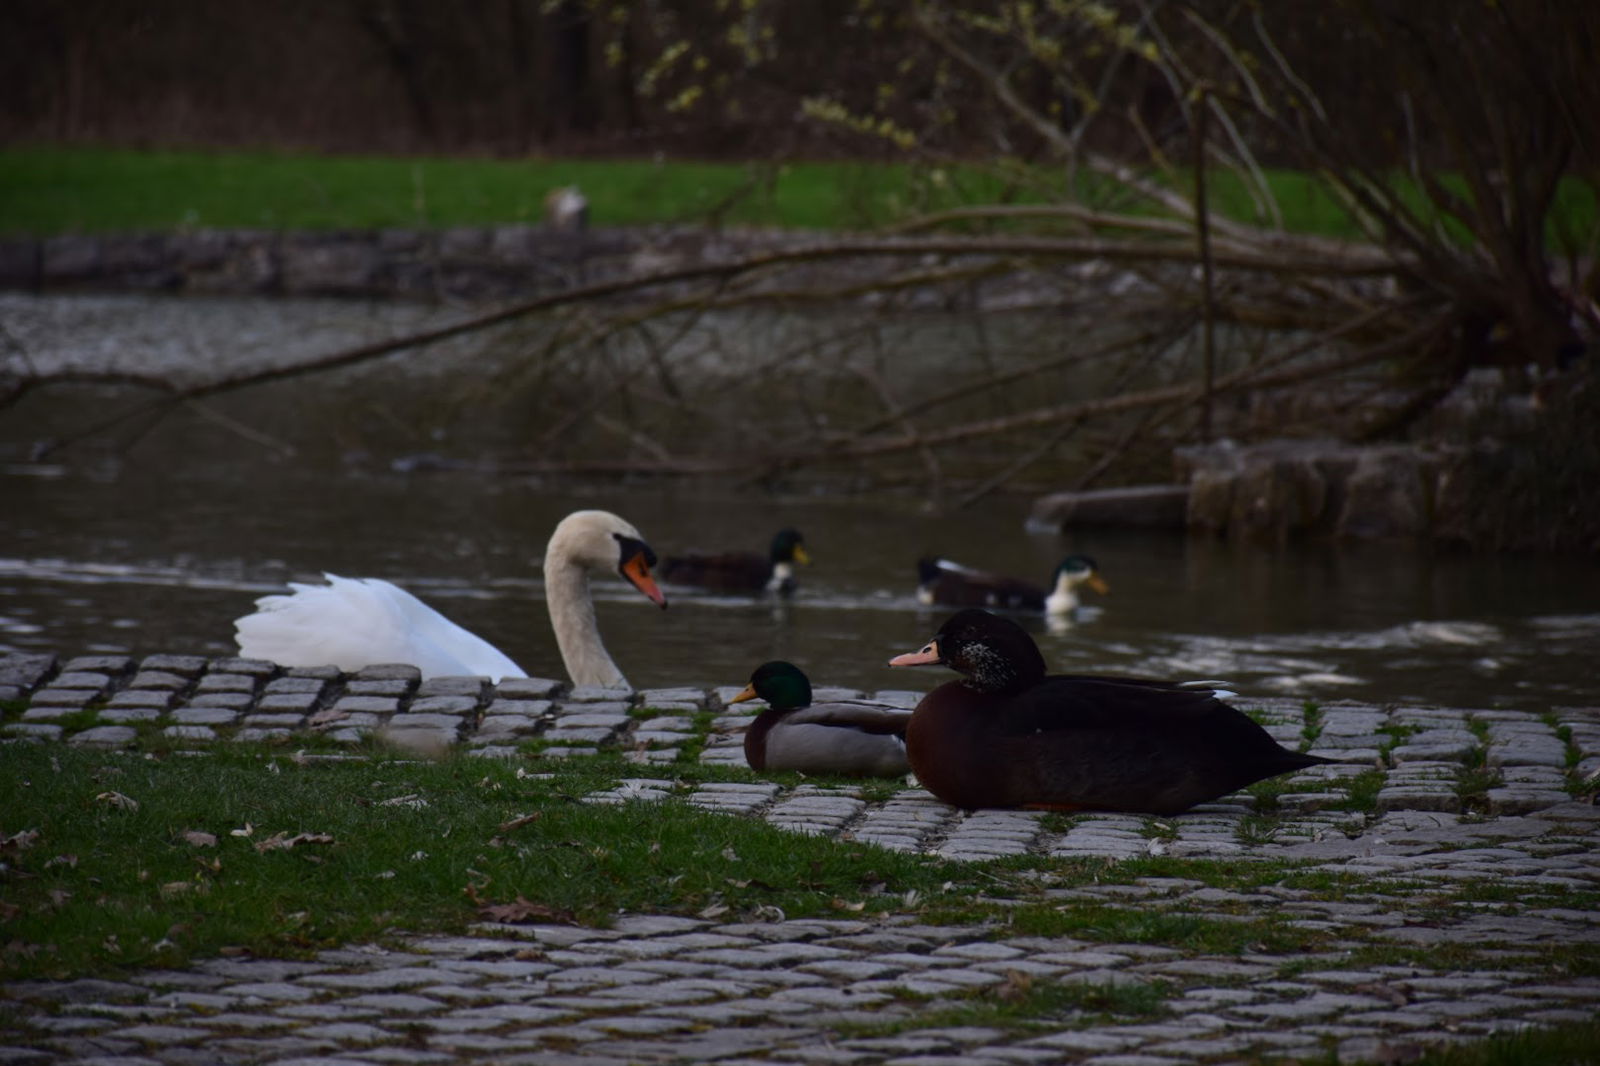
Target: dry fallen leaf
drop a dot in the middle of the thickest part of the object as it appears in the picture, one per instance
(713, 911)
(414, 801)
(845, 905)
(1016, 986)
(281, 841)
(199, 839)
(325, 717)
(248, 830)
(69, 861)
(519, 821)
(118, 800)
(18, 841)
(524, 910)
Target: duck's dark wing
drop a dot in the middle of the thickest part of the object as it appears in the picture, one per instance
(745, 571)
(1126, 744)
(979, 588)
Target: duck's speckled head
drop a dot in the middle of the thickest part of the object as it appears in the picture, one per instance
(994, 654)
(781, 684)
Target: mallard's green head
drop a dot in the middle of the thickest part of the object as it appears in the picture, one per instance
(1081, 570)
(788, 546)
(781, 684)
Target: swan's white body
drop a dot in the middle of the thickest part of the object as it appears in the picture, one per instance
(355, 622)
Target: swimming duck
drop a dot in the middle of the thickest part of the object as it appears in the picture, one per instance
(356, 622)
(1007, 735)
(853, 737)
(737, 571)
(940, 581)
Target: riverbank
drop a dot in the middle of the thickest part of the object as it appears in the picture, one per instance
(1435, 884)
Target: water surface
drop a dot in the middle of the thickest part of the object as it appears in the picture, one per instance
(154, 540)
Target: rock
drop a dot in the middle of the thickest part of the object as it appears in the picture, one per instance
(1281, 488)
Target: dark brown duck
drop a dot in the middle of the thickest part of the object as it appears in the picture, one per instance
(1009, 735)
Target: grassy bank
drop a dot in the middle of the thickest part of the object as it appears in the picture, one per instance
(47, 190)
(50, 190)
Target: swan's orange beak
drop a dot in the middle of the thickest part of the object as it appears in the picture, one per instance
(928, 656)
(749, 693)
(637, 571)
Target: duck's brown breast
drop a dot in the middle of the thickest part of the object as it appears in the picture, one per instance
(950, 746)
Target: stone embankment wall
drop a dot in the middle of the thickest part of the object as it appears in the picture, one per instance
(1279, 489)
(463, 262)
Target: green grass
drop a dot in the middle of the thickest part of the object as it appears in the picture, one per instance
(1109, 924)
(106, 886)
(1020, 1004)
(51, 190)
(63, 190)
(1563, 1045)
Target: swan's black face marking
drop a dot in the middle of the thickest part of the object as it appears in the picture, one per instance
(635, 558)
(628, 547)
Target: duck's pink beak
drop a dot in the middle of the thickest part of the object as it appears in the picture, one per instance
(928, 656)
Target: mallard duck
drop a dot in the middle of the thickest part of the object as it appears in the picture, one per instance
(737, 571)
(948, 584)
(356, 622)
(1007, 735)
(854, 737)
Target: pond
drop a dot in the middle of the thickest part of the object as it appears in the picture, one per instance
(160, 549)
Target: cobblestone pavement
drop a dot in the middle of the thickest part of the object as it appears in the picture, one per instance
(1427, 805)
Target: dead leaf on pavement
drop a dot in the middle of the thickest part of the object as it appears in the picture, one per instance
(1015, 987)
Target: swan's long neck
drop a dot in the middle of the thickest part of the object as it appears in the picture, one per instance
(577, 634)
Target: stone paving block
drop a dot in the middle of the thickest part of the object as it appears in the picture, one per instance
(206, 716)
(361, 704)
(294, 704)
(532, 709)
(215, 682)
(231, 701)
(69, 698)
(529, 688)
(182, 665)
(104, 736)
(106, 665)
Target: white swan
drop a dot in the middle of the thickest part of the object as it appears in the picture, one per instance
(356, 622)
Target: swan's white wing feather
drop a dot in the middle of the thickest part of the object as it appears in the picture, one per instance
(356, 622)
